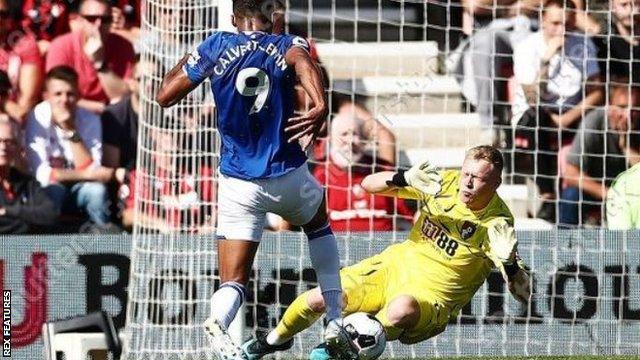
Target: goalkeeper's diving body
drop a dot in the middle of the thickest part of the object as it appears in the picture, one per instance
(414, 287)
(262, 163)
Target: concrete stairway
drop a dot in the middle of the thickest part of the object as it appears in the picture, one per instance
(402, 87)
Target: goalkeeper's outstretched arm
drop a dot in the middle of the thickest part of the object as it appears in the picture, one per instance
(380, 183)
(503, 252)
(422, 177)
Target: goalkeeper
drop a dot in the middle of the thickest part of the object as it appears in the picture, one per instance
(414, 287)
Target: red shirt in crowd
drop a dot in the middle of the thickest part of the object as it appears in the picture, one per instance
(180, 203)
(350, 207)
(67, 50)
(46, 19)
(19, 49)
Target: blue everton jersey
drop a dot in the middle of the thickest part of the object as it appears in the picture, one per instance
(253, 88)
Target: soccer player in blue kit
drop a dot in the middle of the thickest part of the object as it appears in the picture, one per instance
(263, 164)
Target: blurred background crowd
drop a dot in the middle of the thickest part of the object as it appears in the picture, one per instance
(554, 86)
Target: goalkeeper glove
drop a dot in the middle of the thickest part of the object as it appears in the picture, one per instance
(502, 242)
(423, 177)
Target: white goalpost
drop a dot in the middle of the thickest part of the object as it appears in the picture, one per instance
(396, 59)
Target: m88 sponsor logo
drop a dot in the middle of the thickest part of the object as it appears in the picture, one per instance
(436, 234)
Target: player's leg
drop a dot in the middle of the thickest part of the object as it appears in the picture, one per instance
(301, 313)
(365, 285)
(235, 258)
(402, 313)
(307, 208)
(323, 250)
(240, 222)
(410, 319)
(362, 291)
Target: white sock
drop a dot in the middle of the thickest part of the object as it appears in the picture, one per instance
(226, 301)
(274, 339)
(323, 250)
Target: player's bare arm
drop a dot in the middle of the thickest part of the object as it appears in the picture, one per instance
(175, 85)
(308, 125)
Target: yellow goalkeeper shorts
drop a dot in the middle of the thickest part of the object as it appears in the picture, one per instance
(373, 283)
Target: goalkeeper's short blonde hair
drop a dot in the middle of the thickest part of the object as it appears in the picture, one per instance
(487, 153)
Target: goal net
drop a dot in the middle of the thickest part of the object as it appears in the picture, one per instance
(172, 257)
(409, 80)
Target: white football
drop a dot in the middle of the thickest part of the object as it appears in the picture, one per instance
(367, 335)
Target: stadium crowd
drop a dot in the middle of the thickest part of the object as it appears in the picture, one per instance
(70, 97)
(574, 114)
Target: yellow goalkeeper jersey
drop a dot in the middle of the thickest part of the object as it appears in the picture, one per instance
(449, 243)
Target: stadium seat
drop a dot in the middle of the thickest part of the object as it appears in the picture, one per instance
(356, 60)
(446, 158)
(435, 130)
(405, 94)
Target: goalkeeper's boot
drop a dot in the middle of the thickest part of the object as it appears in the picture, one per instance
(258, 347)
(320, 352)
(338, 341)
(220, 341)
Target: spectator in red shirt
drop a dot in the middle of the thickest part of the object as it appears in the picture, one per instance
(186, 205)
(45, 19)
(372, 131)
(21, 59)
(102, 59)
(351, 208)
